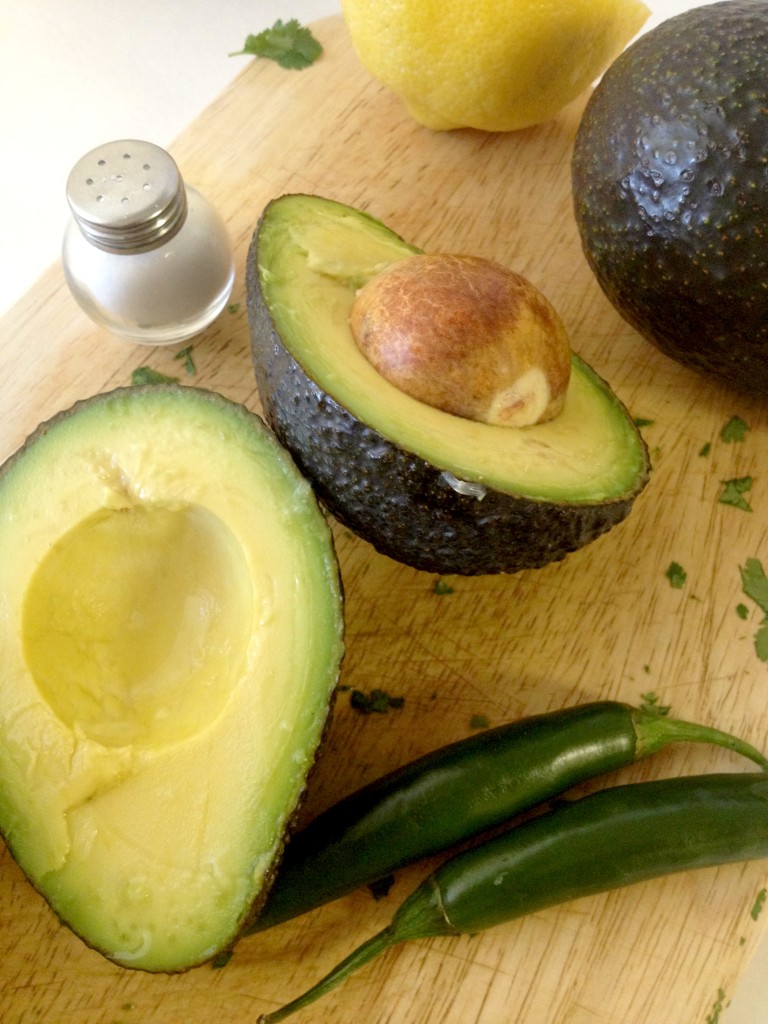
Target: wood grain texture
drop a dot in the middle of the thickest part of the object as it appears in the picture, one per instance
(603, 623)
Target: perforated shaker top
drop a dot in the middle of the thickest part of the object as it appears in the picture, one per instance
(127, 196)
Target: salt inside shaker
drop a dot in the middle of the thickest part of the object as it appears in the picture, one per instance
(146, 256)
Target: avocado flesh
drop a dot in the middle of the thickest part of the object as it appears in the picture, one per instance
(315, 255)
(669, 189)
(171, 625)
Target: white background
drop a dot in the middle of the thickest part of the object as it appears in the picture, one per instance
(76, 73)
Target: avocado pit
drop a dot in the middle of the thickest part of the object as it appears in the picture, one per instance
(466, 335)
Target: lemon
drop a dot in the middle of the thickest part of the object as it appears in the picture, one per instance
(497, 65)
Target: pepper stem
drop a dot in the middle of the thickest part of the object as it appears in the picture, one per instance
(420, 916)
(655, 731)
(368, 951)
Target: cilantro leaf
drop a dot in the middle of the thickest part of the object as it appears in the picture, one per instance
(441, 587)
(754, 583)
(289, 44)
(146, 375)
(735, 430)
(758, 904)
(676, 575)
(734, 491)
(376, 702)
(761, 642)
(186, 355)
(717, 1009)
(705, 449)
(651, 703)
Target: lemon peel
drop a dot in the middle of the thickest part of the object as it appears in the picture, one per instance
(495, 65)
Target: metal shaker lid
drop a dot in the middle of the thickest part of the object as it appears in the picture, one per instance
(127, 196)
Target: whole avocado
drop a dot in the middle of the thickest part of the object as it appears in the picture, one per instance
(670, 189)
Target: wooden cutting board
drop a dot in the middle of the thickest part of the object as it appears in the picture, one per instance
(606, 622)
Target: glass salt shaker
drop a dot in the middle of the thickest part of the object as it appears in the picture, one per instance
(146, 256)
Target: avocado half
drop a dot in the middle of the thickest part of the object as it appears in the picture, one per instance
(427, 488)
(171, 628)
(670, 189)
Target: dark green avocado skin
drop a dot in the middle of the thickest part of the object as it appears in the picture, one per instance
(670, 189)
(393, 499)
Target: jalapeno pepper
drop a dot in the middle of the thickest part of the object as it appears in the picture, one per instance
(461, 790)
(610, 839)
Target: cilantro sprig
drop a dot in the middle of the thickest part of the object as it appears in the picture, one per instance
(289, 44)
